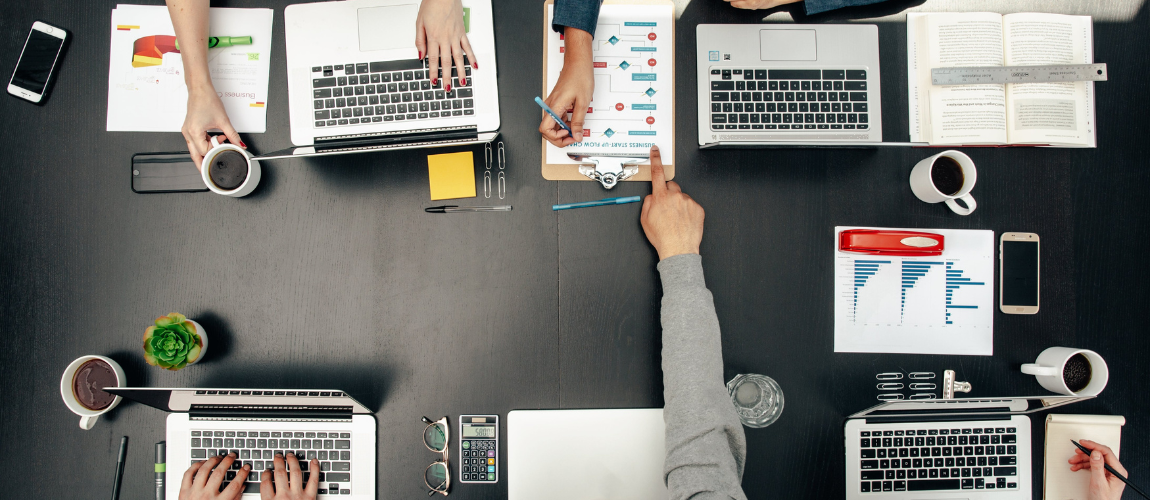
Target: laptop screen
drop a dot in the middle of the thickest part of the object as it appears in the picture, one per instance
(185, 399)
(968, 407)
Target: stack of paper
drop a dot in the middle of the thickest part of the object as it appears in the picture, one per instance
(146, 89)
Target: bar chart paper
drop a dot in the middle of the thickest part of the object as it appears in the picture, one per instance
(917, 305)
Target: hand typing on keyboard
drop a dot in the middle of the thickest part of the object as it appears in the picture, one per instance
(440, 34)
(572, 91)
(1103, 484)
(201, 482)
(290, 485)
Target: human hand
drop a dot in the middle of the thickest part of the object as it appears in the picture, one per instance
(1103, 484)
(758, 4)
(672, 221)
(202, 483)
(440, 34)
(206, 112)
(572, 91)
(293, 489)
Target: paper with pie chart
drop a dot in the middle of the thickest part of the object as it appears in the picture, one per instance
(633, 58)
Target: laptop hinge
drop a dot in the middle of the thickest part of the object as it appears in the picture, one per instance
(381, 140)
(271, 413)
(935, 418)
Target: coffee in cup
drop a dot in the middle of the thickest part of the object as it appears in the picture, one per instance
(229, 170)
(1074, 372)
(945, 177)
(82, 387)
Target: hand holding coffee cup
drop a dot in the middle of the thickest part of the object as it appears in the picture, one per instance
(82, 387)
(229, 170)
(946, 177)
(1074, 372)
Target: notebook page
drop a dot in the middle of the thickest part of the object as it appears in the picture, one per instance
(1059, 482)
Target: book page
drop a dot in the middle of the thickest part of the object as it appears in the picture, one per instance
(915, 59)
(965, 114)
(1056, 112)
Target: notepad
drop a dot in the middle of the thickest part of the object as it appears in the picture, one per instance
(1059, 483)
(451, 175)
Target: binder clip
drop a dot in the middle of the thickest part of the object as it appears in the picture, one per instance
(950, 386)
(608, 169)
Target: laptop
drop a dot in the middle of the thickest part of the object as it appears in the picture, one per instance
(944, 448)
(612, 454)
(765, 85)
(356, 84)
(255, 424)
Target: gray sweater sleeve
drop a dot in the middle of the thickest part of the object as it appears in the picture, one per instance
(706, 448)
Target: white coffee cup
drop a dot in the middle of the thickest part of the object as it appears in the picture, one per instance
(87, 417)
(1048, 370)
(249, 183)
(924, 188)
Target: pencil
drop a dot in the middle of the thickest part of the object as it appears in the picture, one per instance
(120, 468)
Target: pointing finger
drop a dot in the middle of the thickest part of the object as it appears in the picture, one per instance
(658, 178)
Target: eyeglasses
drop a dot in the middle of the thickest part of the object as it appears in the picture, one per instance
(436, 437)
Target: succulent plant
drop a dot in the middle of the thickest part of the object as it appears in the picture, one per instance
(172, 343)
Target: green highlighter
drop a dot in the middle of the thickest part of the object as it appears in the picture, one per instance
(224, 41)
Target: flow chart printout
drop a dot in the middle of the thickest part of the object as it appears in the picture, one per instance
(146, 89)
(633, 58)
(917, 305)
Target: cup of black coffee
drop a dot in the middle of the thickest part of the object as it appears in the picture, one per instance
(230, 170)
(82, 387)
(1074, 372)
(946, 177)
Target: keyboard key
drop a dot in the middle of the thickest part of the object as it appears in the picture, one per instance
(833, 74)
(793, 74)
(341, 477)
(857, 96)
(854, 86)
(323, 82)
(856, 74)
(933, 484)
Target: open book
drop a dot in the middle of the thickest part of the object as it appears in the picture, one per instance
(1041, 114)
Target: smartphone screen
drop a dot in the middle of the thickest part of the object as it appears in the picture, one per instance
(36, 62)
(166, 173)
(1019, 273)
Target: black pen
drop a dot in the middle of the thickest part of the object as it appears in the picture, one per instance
(1111, 470)
(120, 468)
(161, 468)
(447, 209)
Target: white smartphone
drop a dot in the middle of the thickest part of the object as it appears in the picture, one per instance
(37, 65)
(1018, 266)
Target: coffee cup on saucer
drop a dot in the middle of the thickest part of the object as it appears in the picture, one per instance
(82, 387)
(230, 170)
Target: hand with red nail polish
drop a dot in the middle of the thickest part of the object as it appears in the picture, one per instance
(203, 479)
(440, 34)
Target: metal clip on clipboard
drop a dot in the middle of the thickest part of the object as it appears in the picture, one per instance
(608, 169)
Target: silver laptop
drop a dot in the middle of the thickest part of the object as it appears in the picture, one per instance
(763, 85)
(936, 449)
(355, 82)
(255, 424)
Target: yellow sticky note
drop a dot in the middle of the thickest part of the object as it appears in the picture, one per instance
(452, 175)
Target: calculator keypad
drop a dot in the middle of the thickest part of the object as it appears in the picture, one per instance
(479, 460)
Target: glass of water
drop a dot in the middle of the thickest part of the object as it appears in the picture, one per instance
(758, 399)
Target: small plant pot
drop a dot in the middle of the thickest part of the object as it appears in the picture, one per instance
(203, 337)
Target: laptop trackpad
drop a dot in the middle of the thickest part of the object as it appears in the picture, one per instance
(390, 27)
(787, 45)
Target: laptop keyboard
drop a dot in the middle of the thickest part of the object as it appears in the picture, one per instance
(938, 459)
(386, 91)
(258, 449)
(789, 99)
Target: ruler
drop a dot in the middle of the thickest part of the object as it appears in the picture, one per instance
(1018, 74)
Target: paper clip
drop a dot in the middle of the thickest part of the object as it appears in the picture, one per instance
(892, 396)
(889, 386)
(502, 166)
(923, 395)
(487, 173)
(923, 386)
(921, 375)
(889, 376)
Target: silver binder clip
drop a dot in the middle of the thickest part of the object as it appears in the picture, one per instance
(950, 386)
(608, 169)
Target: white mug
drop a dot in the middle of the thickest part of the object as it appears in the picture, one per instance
(249, 183)
(925, 190)
(1048, 370)
(87, 417)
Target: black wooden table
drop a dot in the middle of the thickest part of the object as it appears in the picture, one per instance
(331, 276)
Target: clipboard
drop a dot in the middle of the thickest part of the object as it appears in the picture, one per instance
(570, 171)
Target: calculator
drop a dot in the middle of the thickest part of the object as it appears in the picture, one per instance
(479, 447)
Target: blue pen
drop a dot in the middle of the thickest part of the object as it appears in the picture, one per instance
(555, 116)
(604, 201)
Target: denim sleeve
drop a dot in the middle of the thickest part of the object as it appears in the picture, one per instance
(578, 14)
(817, 6)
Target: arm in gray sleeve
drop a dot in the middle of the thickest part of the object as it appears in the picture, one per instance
(817, 6)
(579, 14)
(706, 448)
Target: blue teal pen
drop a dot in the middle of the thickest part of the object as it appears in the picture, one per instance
(555, 116)
(604, 201)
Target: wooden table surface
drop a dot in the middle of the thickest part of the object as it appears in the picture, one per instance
(331, 276)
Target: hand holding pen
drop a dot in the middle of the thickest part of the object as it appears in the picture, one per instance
(1107, 476)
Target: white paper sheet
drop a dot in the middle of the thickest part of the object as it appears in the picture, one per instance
(154, 98)
(1059, 483)
(633, 53)
(919, 305)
